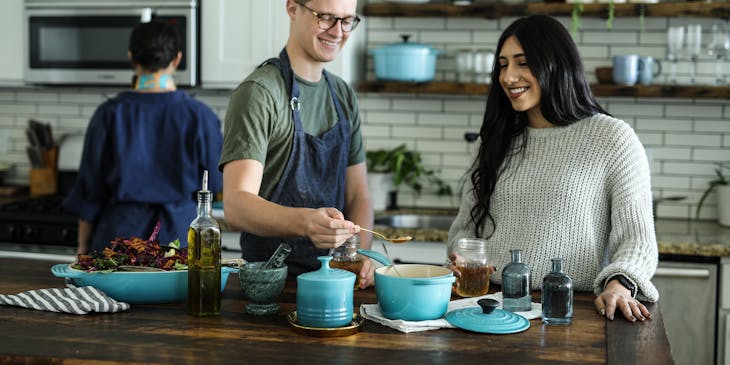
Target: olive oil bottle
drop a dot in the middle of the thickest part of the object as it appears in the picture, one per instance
(204, 259)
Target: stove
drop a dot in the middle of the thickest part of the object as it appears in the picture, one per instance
(40, 220)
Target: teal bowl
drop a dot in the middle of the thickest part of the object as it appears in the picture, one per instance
(134, 286)
(421, 292)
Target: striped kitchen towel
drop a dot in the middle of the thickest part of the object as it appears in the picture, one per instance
(76, 300)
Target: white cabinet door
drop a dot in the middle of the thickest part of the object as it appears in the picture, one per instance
(237, 35)
(12, 42)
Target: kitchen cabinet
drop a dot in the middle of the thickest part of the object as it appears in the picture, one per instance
(12, 42)
(688, 298)
(237, 35)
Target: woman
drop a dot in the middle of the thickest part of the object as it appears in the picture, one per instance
(556, 176)
(145, 151)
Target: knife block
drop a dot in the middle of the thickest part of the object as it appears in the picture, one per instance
(44, 180)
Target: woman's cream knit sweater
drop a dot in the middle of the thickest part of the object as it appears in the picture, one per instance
(581, 192)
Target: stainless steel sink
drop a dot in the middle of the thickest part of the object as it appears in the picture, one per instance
(413, 221)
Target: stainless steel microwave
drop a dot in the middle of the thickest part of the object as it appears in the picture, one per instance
(84, 42)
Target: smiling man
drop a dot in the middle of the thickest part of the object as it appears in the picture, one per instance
(293, 161)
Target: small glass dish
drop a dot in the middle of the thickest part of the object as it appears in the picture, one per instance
(351, 329)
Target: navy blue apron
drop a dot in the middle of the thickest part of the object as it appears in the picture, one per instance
(314, 177)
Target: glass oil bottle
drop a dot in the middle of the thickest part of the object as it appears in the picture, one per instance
(557, 296)
(204, 259)
(516, 285)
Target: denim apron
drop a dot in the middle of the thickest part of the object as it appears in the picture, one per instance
(314, 177)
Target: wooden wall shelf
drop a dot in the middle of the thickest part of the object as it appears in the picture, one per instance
(491, 11)
(457, 88)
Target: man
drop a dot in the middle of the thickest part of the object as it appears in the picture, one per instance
(293, 161)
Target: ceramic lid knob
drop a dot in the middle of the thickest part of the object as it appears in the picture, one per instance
(488, 305)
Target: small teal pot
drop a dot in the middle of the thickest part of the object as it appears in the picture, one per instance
(324, 296)
(415, 292)
(405, 61)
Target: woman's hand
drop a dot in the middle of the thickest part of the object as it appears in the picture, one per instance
(367, 273)
(616, 296)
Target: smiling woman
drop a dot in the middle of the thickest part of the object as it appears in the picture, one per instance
(557, 177)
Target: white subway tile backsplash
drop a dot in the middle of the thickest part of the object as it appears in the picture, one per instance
(419, 23)
(418, 105)
(466, 106)
(693, 111)
(34, 96)
(676, 125)
(56, 110)
(614, 38)
(707, 140)
(403, 118)
(630, 110)
(419, 132)
(7, 108)
(684, 168)
(672, 153)
(710, 154)
(650, 139)
(450, 120)
(670, 182)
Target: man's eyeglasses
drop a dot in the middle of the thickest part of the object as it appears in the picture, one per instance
(328, 21)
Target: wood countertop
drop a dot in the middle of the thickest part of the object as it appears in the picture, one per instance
(164, 334)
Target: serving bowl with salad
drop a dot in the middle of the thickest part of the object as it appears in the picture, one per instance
(135, 271)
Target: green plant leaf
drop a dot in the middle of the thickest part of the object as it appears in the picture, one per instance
(407, 168)
(720, 180)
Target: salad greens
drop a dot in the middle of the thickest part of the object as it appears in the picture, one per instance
(137, 252)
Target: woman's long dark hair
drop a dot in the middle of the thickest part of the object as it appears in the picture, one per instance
(553, 59)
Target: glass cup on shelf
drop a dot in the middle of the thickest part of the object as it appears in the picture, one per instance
(483, 63)
(694, 44)
(675, 41)
(464, 65)
(719, 46)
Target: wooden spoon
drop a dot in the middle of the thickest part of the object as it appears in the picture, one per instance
(401, 239)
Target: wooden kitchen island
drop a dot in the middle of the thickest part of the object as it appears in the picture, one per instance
(164, 334)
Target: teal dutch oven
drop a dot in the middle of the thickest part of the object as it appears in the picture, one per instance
(411, 292)
(405, 61)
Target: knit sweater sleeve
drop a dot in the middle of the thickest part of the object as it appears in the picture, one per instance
(632, 247)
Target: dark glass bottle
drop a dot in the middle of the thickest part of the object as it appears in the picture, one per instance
(204, 259)
(516, 285)
(557, 296)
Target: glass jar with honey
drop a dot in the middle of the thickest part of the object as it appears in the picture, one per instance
(345, 257)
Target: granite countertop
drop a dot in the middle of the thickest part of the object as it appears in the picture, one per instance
(674, 236)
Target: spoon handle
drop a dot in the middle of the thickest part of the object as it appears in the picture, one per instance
(375, 233)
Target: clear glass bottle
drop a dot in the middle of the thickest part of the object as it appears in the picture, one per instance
(345, 257)
(204, 259)
(557, 296)
(516, 285)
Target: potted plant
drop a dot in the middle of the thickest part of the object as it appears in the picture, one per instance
(388, 169)
(723, 195)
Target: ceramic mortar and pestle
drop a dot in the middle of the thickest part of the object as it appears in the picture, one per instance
(262, 282)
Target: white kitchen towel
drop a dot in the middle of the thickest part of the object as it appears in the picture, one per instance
(372, 312)
(81, 300)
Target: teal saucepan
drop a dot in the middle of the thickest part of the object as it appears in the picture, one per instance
(136, 286)
(416, 292)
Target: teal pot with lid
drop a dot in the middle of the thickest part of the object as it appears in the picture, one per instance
(324, 296)
(411, 292)
(405, 61)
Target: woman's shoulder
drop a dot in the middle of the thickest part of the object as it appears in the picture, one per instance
(608, 126)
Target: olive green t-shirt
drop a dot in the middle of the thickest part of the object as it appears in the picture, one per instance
(259, 123)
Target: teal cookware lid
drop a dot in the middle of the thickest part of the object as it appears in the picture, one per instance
(488, 319)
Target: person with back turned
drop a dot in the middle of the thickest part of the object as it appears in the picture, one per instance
(145, 151)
